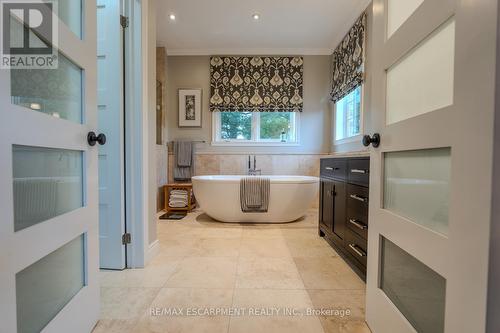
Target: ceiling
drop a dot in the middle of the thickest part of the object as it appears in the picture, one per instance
(302, 27)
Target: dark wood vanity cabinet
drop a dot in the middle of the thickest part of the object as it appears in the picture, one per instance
(333, 212)
(343, 216)
(326, 204)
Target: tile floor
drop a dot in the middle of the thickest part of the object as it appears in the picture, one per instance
(262, 271)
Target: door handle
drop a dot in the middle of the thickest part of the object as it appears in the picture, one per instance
(359, 171)
(357, 197)
(373, 140)
(92, 139)
(358, 251)
(358, 224)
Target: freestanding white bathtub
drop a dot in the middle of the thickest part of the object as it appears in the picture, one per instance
(290, 198)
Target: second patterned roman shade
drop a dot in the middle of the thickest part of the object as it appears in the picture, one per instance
(256, 84)
(348, 60)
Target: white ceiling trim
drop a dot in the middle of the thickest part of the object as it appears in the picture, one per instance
(273, 51)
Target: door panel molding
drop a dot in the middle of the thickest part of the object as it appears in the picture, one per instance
(410, 237)
(425, 20)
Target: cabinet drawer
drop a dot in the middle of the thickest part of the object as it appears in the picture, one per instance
(356, 246)
(357, 198)
(334, 168)
(358, 171)
(357, 222)
(357, 210)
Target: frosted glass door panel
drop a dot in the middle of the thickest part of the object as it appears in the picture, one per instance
(47, 182)
(56, 92)
(417, 186)
(398, 11)
(423, 80)
(45, 287)
(70, 12)
(416, 290)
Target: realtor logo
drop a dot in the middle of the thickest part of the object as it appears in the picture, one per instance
(29, 34)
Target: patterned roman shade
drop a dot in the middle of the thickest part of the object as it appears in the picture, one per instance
(348, 60)
(256, 84)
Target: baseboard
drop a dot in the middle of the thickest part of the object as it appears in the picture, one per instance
(153, 250)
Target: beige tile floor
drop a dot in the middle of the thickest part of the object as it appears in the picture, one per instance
(279, 272)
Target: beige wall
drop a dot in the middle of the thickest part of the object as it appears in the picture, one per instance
(194, 72)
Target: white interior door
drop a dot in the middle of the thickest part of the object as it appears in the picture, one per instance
(110, 115)
(433, 105)
(48, 185)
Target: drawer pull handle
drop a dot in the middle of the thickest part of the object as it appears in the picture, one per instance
(357, 197)
(358, 224)
(359, 171)
(358, 251)
(331, 169)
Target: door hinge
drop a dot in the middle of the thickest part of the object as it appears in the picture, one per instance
(124, 21)
(126, 239)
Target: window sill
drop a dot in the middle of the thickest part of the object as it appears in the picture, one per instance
(254, 144)
(351, 139)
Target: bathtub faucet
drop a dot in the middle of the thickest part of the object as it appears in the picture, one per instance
(253, 171)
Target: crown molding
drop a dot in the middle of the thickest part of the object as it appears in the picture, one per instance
(253, 51)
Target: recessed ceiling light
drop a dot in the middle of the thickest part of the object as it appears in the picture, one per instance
(256, 16)
(172, 17)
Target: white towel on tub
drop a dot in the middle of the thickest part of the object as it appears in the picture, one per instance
(254, 194)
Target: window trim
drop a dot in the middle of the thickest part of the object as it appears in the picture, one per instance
(354, 138)
(217, 141)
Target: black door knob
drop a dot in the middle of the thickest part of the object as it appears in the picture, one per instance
(374, 140)
(92, 139)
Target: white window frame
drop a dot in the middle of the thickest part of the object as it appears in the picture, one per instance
(255, 141)
(354, 138)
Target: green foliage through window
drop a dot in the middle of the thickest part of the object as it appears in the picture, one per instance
(272, 125)
(257, 126)
(236, 126)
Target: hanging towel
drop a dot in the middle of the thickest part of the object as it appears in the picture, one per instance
(184, 160)
(184, 155)
(254, 194)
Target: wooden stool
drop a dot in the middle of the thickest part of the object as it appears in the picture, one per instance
(188, 187)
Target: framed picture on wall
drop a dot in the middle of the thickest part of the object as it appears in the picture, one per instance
(190, 107)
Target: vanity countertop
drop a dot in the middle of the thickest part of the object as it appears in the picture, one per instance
(364, 153)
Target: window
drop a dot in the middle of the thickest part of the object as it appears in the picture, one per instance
(348, 115)
(256, 127)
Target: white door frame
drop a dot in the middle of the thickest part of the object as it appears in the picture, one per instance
(136, 158)
(20, 126)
